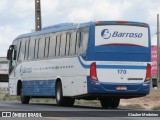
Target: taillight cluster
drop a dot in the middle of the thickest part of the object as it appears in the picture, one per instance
(148, 72)
(93, 72)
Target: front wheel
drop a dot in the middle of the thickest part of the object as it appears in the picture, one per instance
(60, 100)
(24, 99)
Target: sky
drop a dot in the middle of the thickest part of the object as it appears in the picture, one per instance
(18, 16)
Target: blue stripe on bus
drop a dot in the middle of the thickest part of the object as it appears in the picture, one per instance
(112, 66)
(38, 87)
(107, 88)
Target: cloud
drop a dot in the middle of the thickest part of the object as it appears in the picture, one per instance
(49, 5)
(2, 5)
(8, 34)
(109, 10)
(23, 8)
(17, 14)
(80, 16)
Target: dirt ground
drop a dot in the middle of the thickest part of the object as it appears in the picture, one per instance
(147, 102)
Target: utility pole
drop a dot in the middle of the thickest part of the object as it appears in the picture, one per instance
(158, 51)
(38, 24)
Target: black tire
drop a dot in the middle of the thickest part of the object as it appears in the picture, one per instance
(106, 102)
(59, 94)
(110, 102)
(24, 99)
(115, 102)
(60, 100)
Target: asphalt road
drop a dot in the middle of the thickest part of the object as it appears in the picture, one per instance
(68, 113)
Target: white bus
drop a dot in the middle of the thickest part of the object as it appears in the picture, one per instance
(104, 60)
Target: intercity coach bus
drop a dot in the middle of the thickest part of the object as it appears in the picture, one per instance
(102, 60)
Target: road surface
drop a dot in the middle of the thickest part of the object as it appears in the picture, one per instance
(78, 111)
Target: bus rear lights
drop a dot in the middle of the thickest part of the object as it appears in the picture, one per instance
(93, 72)
(148, 72)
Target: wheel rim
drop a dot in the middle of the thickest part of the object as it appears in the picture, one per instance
(58, 94)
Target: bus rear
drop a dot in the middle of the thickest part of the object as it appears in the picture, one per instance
(121, 64)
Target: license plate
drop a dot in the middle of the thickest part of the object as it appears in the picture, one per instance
(121, 88)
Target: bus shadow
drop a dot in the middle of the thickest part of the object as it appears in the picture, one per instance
(80, 107)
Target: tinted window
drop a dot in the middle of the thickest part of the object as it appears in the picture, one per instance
(36, 48)
(31, 48)
(67, 47)
(73, 43)
(77, 46)
(22, 50)
(47, 41)
(63, 44)
(84, 36)
(52, 46)
(58, 43)
(26, 49)
(19, 50)
(41, 48)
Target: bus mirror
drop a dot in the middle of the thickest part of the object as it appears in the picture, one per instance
(8, 54)
(15, 54)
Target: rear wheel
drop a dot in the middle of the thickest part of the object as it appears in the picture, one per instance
(110, 102)
(115, 102)
(60, 100)
(24, 99)
(105, 102)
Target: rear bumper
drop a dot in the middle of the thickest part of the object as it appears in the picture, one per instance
(109, 89)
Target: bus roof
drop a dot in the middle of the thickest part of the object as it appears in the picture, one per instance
(56, 28)
(67, 26)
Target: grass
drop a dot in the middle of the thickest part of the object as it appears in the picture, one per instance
(156, 107)
(6, 97)
(94, 103)
(132, 106)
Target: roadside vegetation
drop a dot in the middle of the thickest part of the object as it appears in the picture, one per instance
(150, 102)
(136, 106)
(156, 107)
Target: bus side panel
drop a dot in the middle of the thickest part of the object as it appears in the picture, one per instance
(77, 85)
(39, 77)
(38, 87)
(12, 86)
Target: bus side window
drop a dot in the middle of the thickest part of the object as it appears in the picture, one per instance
(73, 44)
(31, 49)
(22, 50)
(84, 41)
(19, 50)
(41, 48)
(77, 46)
(67, 47)
(63, 44)
(36, 48)
(58, 43)
(26, 49)
(47, 42)
(52, 46)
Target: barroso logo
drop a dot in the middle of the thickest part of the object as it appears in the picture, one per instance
(105, 34)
